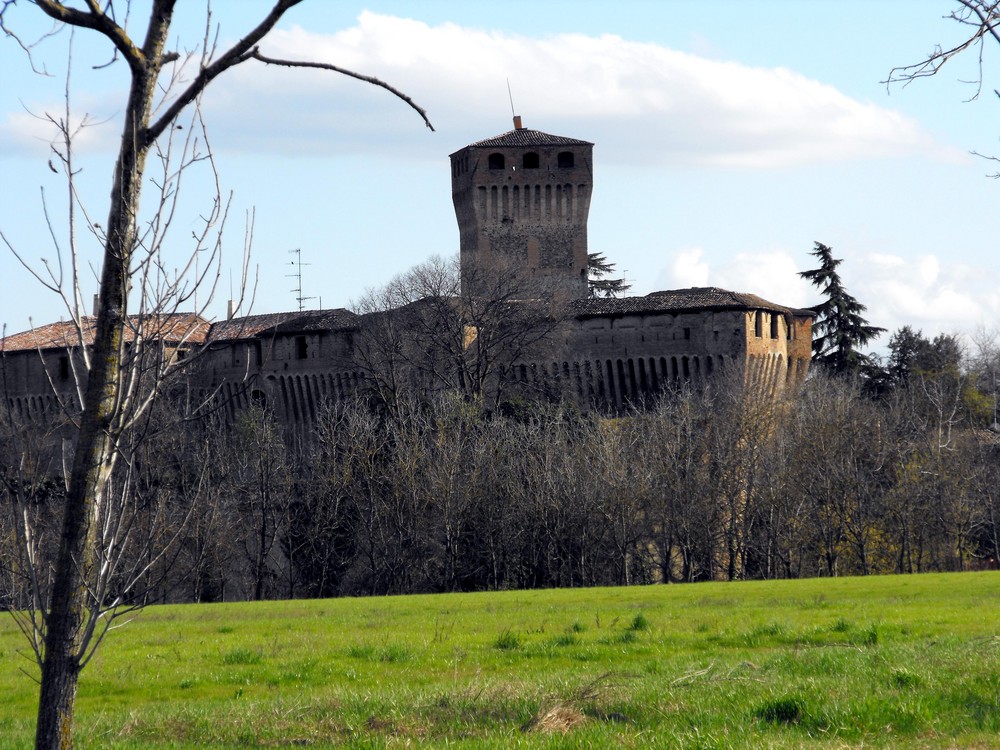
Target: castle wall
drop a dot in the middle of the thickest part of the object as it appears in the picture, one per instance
(612, 361)
(779, 348)
(602, 361)
(40, 386)
(294, 374)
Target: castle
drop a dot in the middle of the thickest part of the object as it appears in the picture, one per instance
(522, 201)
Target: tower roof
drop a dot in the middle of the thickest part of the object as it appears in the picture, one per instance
(526, 137)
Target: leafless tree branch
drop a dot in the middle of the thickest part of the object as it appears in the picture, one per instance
(257, 55)
(983, 16)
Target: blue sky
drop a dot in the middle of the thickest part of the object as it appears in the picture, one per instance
(729, 137)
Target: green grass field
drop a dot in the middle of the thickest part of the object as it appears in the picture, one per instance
(900, 662)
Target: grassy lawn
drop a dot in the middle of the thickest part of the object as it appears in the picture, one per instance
(900, 662)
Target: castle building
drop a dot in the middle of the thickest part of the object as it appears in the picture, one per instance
(522, 200)
(524, 197)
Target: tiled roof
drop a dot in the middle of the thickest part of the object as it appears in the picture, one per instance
(196, 330)
(679, 300)
(286, 322)
(248, 326)
(527, 137)
(169, 328)
(319, 320)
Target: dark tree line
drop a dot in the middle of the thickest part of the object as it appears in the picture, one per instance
(440, 494)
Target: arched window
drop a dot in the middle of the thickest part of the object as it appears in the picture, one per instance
(530, 160)
(496, 161)
(565, 160)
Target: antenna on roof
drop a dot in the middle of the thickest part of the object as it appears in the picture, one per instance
(297, 263)
(517, 118)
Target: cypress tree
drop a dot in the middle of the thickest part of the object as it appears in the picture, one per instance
(839, 329)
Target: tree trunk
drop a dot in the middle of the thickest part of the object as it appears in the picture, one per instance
(66, 639)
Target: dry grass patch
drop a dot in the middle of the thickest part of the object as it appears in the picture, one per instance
(560, 719)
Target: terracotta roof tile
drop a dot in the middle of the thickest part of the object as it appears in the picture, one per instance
(196, 330)
(172, 328)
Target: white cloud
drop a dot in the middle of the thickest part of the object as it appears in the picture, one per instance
(640, 102)
(926, 293)
(32, 131)
(772, 275)
(687, 269)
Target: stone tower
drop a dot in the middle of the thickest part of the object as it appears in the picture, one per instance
(524, 197)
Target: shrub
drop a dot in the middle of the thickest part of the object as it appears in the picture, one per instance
(869, 637)
(904, 678)
(507, 641)
(639, 622)
(785, 710)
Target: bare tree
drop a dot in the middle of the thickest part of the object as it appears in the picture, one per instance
(980, 22)
(981, 19)
(320, 538)
(439, 327)
(256, 477)
(29, 494)
(984, 366)
(988, 479)
(120, 383)
(622, 488)
(187, 465)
